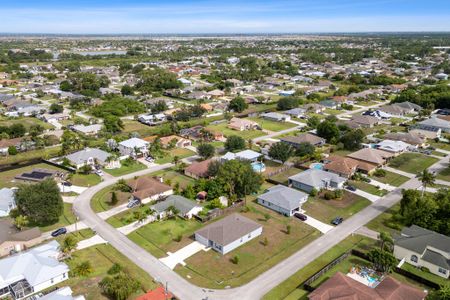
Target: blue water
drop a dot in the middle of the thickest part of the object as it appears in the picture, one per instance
(317, 166)
(258, 167)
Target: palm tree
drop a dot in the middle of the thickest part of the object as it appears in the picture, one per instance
(427, 178)
(386, 240)
(176, 160)
(83, 269)
(68, 245)
(250, 144)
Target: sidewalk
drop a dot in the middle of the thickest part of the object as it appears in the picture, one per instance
(406, 174)
(184, 253)
(127, 229)
(113, 211)
(95, 240)
(383, 186)
(368, 196)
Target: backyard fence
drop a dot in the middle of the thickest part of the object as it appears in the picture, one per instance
(215, 213)
(280, 170)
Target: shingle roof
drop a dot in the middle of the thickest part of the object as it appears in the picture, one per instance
(283, 196)
(183, 204)
(199, 168)
(145, 187)
(371, 155)
(304, 138)
(228, 229)
(315, 178)
(80, 157)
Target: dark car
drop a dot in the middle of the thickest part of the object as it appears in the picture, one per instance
(59, 232)
(337, 221)
(66, 183)
(133, 203)
(350, 188)
(301, 216)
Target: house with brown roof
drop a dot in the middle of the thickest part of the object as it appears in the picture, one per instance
(340, 286)
(295, 141)
(198, 169)
(372, 156)
(146, 189)
(407, 137)
(346, 166)
(177, 141)
(11, 239)
(364, 121)
(242, 124)
(6, 143)
(228, 233)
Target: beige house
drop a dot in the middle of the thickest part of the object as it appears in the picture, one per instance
(12, 239)
(242, 124)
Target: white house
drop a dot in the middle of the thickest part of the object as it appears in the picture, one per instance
(393, 146)
(91, 157)
(64, 293)
(277, 117)
(133, 147)
(316, 179)
(7, 201)
(32, 271)
(283, 199)
(228, 233)
(93, 129)
(153, 119)
(421, 247)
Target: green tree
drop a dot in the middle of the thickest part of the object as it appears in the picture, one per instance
(41, 202)
(238, 178)
(386, 241)
(83, 269)
(113, 124)
(189, 192)
(286, 103)
(126, 90)
(352, 139)
(234, 142)
(313, 122)
(238, 104)
(328, 130)
(427, 178)
(68, 245)
(441, 294)
(281, 151)
(21, 222)
(206, 150)
(56, 108)
(114, 200)
(12, 150)
(120, 286)
(382, 261)
(305, 149)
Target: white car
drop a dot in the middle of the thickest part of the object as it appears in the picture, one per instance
(99, 173)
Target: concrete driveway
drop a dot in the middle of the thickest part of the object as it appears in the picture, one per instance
(368, 196)
(319, 225)
(72, 188)
(184, 253)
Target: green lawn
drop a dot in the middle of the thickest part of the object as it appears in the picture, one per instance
(283, 177)
(158, 237)
(126, 217)
(170, 154)
(440, 145)
(7, 177)
(32, 154)
(425, 274)
(327, 210)
(142, 129)
(171, 177)
(102, 257)
(334, 111)
(272, 125)
(213, 270)
(85, 179)
(25, 121)
(126, 169)
(444, 174)
(79, 235)
(386, 222)
(289, 289)
(413, 163)
(65, 219)
(367, 187)
(391, 178)
(101, 200)
(246, 134)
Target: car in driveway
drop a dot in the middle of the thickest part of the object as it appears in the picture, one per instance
(338, 220)
(133, 203)
(150, 159)
(59, 231)
(66, 183)
(300, 216)
(99, 173)
(350, 188)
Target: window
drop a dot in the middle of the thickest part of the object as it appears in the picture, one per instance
(249, 235)
(443, 271)
(414, 258)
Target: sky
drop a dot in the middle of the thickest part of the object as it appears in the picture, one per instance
(226, 16)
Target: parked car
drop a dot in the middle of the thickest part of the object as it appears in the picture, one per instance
(133, 203)
(99, 173)
(66, 183)
(301, 216)
(149, 159)
(338, 220)
(350, 188)
(59, 231)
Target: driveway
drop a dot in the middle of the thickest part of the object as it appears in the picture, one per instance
(95, 240)
(113, 211)
(383, 186)
(319, 225)
(72, 188)
(184, 253)
(368, 196)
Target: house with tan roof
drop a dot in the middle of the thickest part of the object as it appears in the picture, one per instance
(295, 141)
(364, 121)
(177, 141)
(373, 156)
(198, 169)
(407, 137)
(242, 124)
(228, 233)
(346, 166)
(146, 189)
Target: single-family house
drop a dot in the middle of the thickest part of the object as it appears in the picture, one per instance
(198, 169)
(394, 110)
(249, 155)
(242, 124)
(6, 143)
(92, 157)
(90, 130)
(286, 93)
(434, 124)
(328, 103)
(214, 94)
(228, 233)
(314, 108)
(277, 117)
(146, 189)
(396, 147)
(421, 247)
(64, 293)
(373, 156)
(363, 121)
(176, 141)
(186, 208)
(410, 107)
(13, 240)
(296, 141)
(296, 112)
(407, 137)
(134, 147)
(316, 179)
(7, 201)
(346, 166)
(152, 119)
(282, 199)
(32, 271)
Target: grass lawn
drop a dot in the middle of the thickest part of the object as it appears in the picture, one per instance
(438, 153)
(101, 201)
(126, 169)
(425, 274)
(65, 219)
(385, 221)
(102, 257)
(413, 163)
(85, 179)
(142, 129)
(334, 111)
(367, 187)
(283, 177)
(32, 154)
(25, 121)
(289, 289)
(80, 235)
(171, 177)
(391, 178)
(126, 217)
(213, 270)
(7, 177)
(170, 154)
(246, 134)
(272, 125)
(440, 145)
(327, 210)
(158, 237)
(444, 174)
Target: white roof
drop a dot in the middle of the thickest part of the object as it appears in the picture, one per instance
(82, 156)
(246, 154)
(37, 265)
(134, 142)
(393, 146)
(64, 293)
(6, 199)
(89, 128)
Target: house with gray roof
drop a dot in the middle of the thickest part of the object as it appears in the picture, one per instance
(32, 271)
(316, 179)
(93, 129)
(282, 199)
(88, 156)
(434, 124)
(277, 117)
(421, 247)
(7, 201)
(186, 208)
(228, 233)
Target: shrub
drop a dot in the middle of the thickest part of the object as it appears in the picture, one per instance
(266, 217)
(288, 229)
(178, 238)
(380, 173)
(265, 242)
(115, 268)
(235, 259)
(313, 192)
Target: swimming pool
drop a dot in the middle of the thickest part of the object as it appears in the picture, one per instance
(317, 166)
(258, 166)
